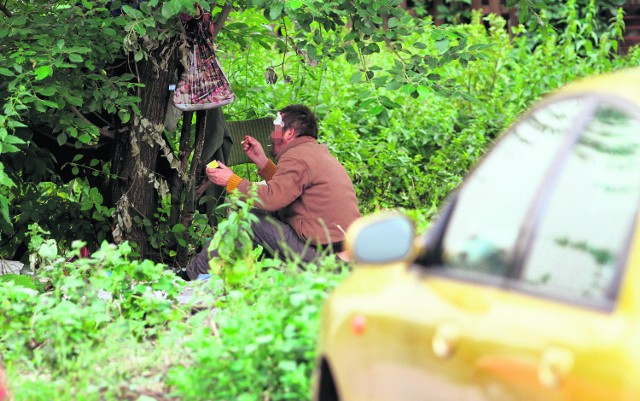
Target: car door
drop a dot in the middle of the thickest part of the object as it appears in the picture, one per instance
(575, 247)
(544, 271)
(476, 240)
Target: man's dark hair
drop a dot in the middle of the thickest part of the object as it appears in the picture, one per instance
(300, 118)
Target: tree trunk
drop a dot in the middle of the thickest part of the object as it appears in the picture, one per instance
(135, 191)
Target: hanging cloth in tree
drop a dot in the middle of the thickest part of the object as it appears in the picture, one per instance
(203, 85)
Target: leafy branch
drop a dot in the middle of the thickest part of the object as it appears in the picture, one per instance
(5, 10)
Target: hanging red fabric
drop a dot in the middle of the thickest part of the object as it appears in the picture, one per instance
(203, 85)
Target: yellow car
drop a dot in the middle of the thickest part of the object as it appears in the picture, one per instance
(526, 287)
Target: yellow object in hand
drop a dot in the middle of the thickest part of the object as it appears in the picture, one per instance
(213, 164)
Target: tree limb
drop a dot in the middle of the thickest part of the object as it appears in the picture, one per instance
(104, 131)
(5, 10)
(202, 188)
(189, 205)
(221, 19)
(177, 184)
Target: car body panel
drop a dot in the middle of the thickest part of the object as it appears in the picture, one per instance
(499, 361)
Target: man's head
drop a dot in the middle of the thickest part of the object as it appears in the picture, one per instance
(292, 121)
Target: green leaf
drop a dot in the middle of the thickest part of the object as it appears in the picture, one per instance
(18, 21)
(60, 44)
(170, 9)
(7, 148)
(388, 103)
(479, 47)
(442, 45)
(43, 71)
(276, 11)
(377, 109)
(74, 100)
(62, 139)
(356, 78)
(294, 4)
(47, 90)
(75, 58)
(393, 22)
(178, 228)
(407, 89)
(14, 140)
(468, 97)
(439, 34)
(80, 49)
(524, 14)
(423, 91)
(18, 279)
(4, 204)
(49, 103)
(124, 116)
(394, 84)
(132, 12)
(7, 72)
(16, 124)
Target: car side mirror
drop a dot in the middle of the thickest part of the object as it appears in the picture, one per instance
(382, 238)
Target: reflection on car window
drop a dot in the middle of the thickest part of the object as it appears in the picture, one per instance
(495, 199)
(585, 226)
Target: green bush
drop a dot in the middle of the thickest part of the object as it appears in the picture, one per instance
(111, 325)
(260, 342)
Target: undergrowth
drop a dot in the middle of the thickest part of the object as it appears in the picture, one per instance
(109, 327)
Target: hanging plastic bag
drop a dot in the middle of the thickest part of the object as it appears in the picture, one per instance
(203, 85)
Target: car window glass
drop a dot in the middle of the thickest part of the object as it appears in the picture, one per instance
(494, 200)
(585, 226)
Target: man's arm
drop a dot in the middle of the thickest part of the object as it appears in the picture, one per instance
(253, 149)
(267, 172)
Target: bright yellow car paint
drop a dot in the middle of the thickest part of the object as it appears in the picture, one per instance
(393, 332)
(592, 336)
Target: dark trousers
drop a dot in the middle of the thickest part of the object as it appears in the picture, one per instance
(275, 236)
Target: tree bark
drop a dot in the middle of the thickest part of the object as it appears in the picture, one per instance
(135, 191)
(135, 156)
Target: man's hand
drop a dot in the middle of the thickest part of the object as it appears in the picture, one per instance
(220, 175)
(253, 149)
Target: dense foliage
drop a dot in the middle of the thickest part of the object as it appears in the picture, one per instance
(63, 99)
(86, 83)
(110, 326)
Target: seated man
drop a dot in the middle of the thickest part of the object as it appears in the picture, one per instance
(308, 201)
